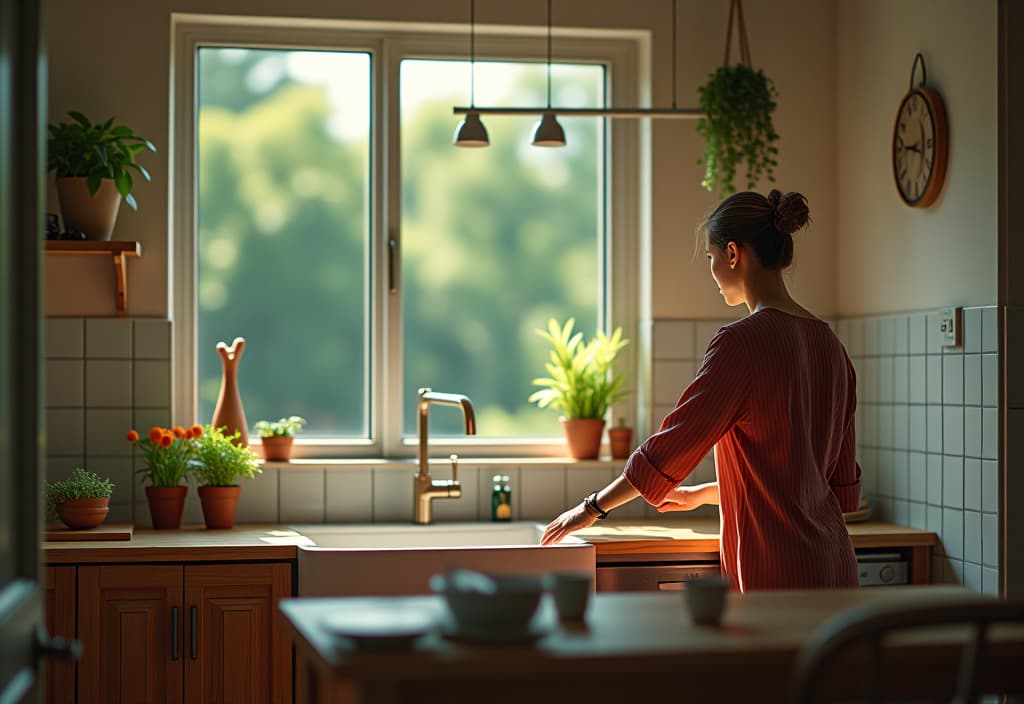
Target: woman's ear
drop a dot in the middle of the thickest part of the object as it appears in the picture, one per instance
(732, 251)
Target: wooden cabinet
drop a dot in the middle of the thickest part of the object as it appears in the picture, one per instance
(238, 649)
(192, 633)
(129, 622)
(59, 595)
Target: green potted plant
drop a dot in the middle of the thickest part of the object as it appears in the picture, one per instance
(277, 437)
(93, 164)
(82, 501)
(581, 383)
(218, 462)
(738, 103)
(169, 456)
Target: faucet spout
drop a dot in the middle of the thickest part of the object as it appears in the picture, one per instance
(426, 489)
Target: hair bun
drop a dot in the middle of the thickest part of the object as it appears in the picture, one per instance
(790, 211)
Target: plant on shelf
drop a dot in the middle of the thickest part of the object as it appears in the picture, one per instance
(81, 501)
(93, 165)
(277, 437)
(581, 383)
(738, 103)
(218, 463)
(169, 454)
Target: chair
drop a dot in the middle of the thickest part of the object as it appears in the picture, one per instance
(853, 642)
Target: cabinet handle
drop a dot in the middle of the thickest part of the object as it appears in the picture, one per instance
(174, 633)
(194, 648)
(392, 253)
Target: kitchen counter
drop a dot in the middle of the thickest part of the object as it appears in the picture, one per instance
(634, 647)
(275, 542)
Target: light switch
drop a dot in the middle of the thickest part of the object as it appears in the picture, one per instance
(949, 326)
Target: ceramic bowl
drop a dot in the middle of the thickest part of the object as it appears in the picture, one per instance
(480, 602)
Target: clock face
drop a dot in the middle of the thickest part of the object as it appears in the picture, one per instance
(919, 148)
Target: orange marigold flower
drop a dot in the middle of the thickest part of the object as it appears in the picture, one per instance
(166, 440)
(179, 432)
(155, 433)
(196, 430)
(133, 436)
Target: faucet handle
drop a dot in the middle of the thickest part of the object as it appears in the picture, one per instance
(455, 467)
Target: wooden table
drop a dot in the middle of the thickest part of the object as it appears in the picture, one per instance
(635, 647)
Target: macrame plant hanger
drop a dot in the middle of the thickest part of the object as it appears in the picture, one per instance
(736, 10)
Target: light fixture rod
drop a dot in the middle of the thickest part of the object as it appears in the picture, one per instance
(549, 53)
(674, 4)
(472, 52)
(679, 113)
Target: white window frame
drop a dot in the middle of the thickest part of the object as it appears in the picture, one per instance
(624, 54)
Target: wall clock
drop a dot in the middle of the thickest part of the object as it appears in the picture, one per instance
(920, 143)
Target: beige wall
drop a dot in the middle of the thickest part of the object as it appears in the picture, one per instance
(891, 257)
(109, 57)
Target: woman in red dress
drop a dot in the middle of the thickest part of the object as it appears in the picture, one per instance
(775, 396)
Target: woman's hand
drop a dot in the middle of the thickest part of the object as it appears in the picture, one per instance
(571, 521)
(683, 498)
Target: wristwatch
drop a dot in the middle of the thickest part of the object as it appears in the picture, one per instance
(592, 507)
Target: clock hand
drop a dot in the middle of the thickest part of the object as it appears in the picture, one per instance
(916, 147)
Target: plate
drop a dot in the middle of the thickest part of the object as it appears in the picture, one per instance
(368, 625)
(494, 636)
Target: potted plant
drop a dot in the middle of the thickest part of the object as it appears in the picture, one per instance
(581, 383)
(82, 501)
(218, 463)
(169, 458)
(93, 164)
(277, 437)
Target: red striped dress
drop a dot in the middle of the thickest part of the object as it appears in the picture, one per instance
(775, 395)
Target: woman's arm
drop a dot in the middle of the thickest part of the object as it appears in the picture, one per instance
(616, 494)
(687, 498)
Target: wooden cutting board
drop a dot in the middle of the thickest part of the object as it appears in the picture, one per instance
(105, 531)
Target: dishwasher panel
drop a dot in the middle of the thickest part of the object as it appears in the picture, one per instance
(649, 573)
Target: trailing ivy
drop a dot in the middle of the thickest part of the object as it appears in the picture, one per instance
(738, 103)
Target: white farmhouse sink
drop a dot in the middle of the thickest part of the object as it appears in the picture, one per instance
(349, 560)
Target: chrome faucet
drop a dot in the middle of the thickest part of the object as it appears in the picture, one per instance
(424, 488)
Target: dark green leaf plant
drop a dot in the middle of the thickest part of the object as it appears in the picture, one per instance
(97, 151)
(80, 484)
(580, 381)
(738, 103)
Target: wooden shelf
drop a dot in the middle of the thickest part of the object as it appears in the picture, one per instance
(117, 250)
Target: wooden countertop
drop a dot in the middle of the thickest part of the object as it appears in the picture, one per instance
(636, 645)
(244, 542)
(276, 542)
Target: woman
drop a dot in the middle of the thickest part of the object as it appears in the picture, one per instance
(775, 395)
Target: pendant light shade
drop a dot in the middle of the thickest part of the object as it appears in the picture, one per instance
(548, 133)
(471, 131)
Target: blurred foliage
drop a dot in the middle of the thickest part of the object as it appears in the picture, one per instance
(494, 242)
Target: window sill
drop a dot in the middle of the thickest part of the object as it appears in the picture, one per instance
(409, 463)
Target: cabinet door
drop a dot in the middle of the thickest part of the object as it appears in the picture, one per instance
(129, 622)
(237, 649)
(59, 675)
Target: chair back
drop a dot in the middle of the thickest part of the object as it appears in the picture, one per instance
(863, 631)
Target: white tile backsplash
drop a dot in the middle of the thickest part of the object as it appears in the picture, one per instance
(108, 339)
(64, 338)
(989, 330)
(918, 435)
(990, 539)
(953, 379)
(108, 383)
(972, 330)
(152, 339)
(301, 495)
(65, 383)
(953, 532)
(972, 431)
(972, 484)
(990, 380)
(670, 379)
(918, 339)
(972, 380)
(349, 495)
(674, 339)
(953, 430)
(933, 379)
(972, 537)
(258, 501)
(918, 373)
(542, 492)
(989, 486)
(953, 482)
(935, 472)
(990, 433)
(105, 431)
(392, 495)
(152, 384)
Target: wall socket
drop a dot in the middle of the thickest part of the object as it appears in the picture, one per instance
(949, 326)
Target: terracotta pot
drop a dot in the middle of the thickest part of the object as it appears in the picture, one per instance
(83, 514)
(277, 448)
(229, 413)
(621, 442)
(166, 505)
(583, 436)
(220, 503)
(93, 215)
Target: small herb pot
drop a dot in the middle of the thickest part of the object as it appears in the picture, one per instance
(220, 504)
(583, 437)
(83, 514)
(621, 441)
(277, 448)
(166, 505)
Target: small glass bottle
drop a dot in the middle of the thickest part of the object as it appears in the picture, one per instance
(501, 499)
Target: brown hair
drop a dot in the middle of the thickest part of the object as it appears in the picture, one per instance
(764, 224)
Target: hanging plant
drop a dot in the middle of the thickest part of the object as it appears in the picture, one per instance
(738, 103)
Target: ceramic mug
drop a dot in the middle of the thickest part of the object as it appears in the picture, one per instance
(571, 592)
(706, 599)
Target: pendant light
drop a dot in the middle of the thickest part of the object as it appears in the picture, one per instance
(471, 131)
(548, 133)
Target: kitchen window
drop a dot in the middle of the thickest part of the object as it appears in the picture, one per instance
(331, 223)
